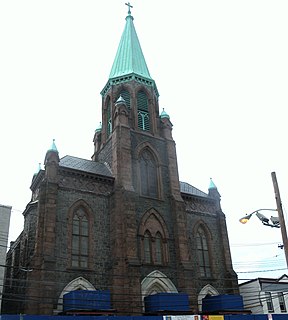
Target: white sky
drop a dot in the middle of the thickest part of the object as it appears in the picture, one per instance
(221, 69)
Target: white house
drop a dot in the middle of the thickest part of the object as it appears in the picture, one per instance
(265, 295)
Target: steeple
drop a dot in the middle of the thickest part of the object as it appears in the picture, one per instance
(129, 57)
(129, 63)
(130, 96)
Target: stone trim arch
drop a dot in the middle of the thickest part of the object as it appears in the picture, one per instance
(155, 282)
(202, 224)
(208, 289)
(144, 145)
(80, 203)
(153, 222)
(158, 216)
(79, 283)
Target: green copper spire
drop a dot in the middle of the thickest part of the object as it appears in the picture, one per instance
(99, 128)
(212, 185)
(53, 146)
(129, 57)
(38, 169)
(164, 114)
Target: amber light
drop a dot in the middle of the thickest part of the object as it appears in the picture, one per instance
(245, 219)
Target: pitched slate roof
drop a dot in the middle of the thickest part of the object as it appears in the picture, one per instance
(84, 165)
(188, 189)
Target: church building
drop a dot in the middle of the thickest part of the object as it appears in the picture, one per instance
(120, 221)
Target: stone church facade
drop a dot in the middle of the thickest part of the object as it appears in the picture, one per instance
(121, 221)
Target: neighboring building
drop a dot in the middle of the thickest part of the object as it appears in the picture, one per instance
(121, 221)
(265, 295)
(5, 214)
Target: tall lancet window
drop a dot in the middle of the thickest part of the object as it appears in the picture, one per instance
(126, 96)
(158, 248)
(149, 174)
(109, 117)
(203, 253)
(147, 247)
(80, 239)
(143, 111)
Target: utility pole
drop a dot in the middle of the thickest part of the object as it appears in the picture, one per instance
(281, 216)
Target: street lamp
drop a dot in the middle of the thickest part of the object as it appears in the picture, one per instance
(276, 222)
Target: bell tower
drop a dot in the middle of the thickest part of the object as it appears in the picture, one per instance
(135, 142)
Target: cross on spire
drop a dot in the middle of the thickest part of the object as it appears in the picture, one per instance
(129, 7)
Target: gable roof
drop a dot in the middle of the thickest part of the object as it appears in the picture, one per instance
(84, 165)
(188, 189)
(102, 169)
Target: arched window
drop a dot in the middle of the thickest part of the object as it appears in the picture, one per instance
(154, 235)
(80, 239)
(126, 96)
(158, 248)
(143, 111)
(109, 117)
(147, 247)
(203, 253)
(148, 172)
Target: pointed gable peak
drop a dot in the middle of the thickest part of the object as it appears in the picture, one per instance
(129, 57)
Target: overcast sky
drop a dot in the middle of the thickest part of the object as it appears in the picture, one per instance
(221, 69)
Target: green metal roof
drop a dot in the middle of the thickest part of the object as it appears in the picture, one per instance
(212, 185)
(53, 146)
(99, 128)
(164, 114)
(129, 57)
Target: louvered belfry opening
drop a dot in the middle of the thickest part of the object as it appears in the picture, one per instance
(109, 117)
(143, 111)
(126, 96)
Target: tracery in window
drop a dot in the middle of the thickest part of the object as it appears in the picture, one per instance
(143, 111)
(80, 239)
(148, 174)
(203, 253)
(154, 235)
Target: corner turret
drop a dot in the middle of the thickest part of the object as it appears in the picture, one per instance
(51, 163)
(213, 193)
(166, 124)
